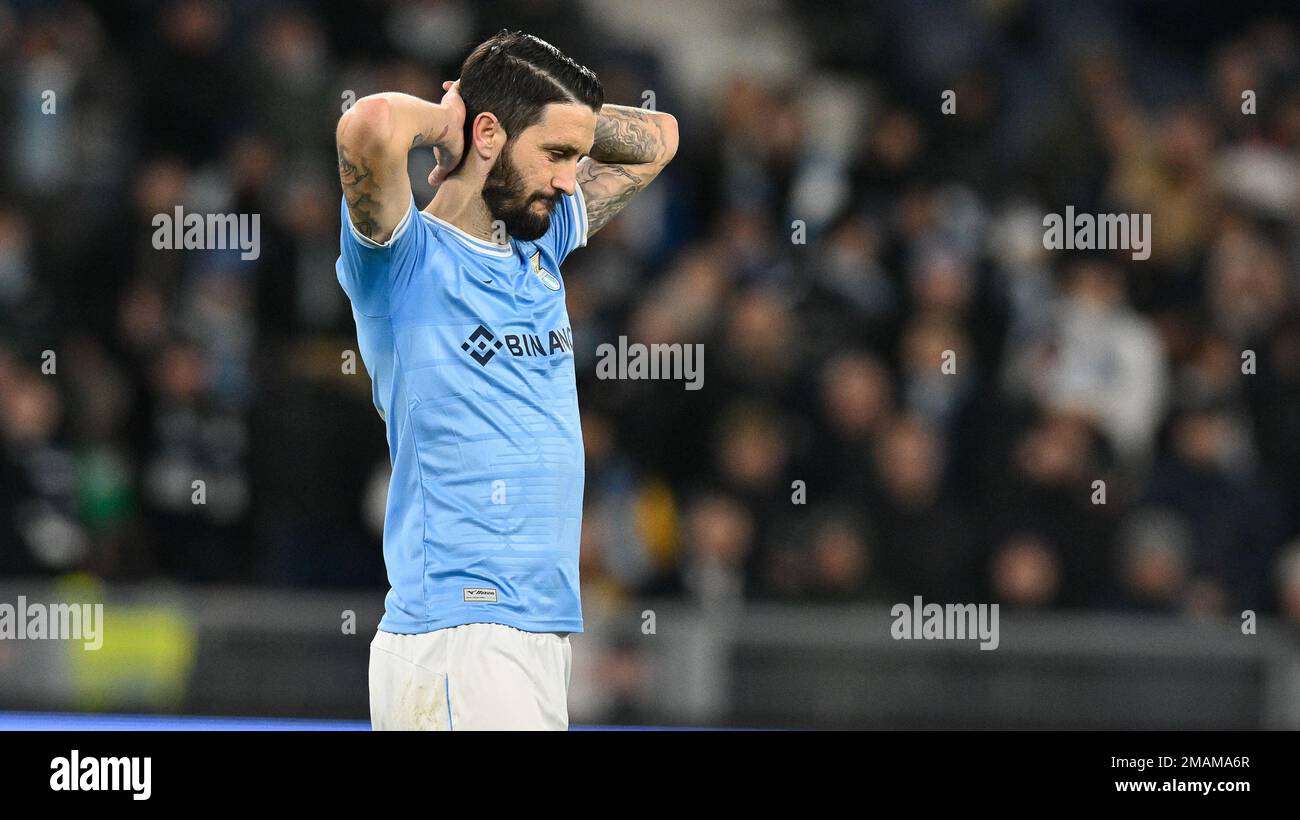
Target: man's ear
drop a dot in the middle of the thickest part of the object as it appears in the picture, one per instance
(489, 136)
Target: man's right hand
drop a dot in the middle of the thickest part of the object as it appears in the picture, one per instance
(448, 153)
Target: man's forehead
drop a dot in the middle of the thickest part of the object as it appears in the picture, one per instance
(569, 122)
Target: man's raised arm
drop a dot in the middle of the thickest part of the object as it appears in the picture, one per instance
(373, 138)
(632, 146)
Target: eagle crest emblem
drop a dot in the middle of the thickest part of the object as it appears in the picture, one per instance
(548, 279)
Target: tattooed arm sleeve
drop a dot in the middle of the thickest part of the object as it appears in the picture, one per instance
(632, 146)
(373, 138)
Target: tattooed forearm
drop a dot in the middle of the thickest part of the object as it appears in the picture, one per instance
(632, 146)
(374, 137)
(629, 136)
(359, 190)
(429, 138)
(608, 188)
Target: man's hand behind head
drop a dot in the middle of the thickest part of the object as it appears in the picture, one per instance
(449, 151)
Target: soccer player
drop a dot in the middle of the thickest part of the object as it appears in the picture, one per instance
(463, 329)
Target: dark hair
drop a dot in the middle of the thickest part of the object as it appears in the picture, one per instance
(515, 76)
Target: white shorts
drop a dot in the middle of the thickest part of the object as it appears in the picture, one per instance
(473, 676)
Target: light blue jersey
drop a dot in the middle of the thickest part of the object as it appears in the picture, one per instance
(470, 355)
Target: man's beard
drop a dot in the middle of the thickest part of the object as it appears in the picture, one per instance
(508, 201)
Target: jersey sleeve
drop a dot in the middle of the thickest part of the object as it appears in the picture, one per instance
(369, 271)
(568, 229)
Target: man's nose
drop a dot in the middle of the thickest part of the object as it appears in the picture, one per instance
(566, 182)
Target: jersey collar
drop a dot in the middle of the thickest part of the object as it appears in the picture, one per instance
(471, 242)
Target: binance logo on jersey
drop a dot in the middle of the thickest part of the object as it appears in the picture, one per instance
(559, 340)
(482, 344)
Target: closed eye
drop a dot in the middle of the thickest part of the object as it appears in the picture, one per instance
(559, 153)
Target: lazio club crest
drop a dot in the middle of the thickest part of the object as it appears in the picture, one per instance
(546, 276)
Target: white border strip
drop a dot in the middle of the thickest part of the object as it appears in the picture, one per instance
(581, 208)
(397, 232)
(473, 242)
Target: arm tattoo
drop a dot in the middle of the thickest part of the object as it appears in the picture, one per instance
(607, 189)
(428, 139)
(627, 136)
(629, 151)
(359, 189)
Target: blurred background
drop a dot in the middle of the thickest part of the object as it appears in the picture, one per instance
(827, 232)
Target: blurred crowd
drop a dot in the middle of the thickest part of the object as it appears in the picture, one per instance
(904, 392)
